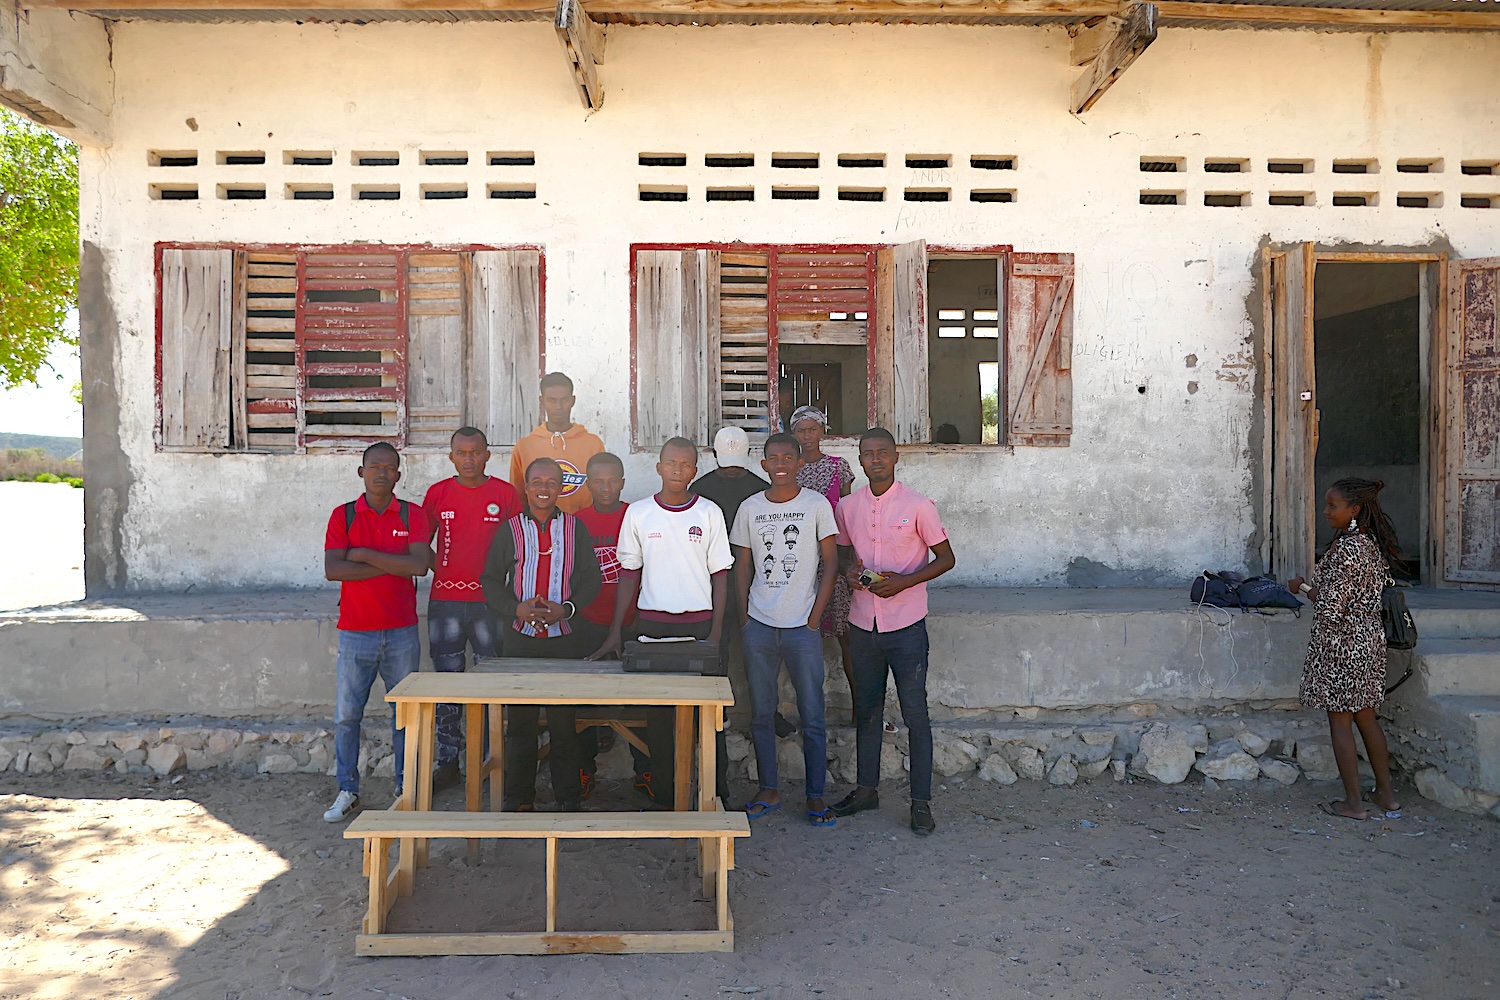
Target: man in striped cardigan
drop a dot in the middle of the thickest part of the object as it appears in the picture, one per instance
(541, 570)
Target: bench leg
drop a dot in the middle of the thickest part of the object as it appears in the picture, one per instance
(496, 766)
(377, 854)
(551, 885)
(426, 761)
(473, 770)
(682, 767)
(723, 887)
(407, 717)
(707, 789)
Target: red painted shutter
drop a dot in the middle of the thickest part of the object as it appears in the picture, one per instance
(1039, 348)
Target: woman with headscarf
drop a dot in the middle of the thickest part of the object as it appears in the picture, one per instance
(832, 477)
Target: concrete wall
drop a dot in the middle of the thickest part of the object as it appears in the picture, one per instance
(1160, 478)
(55, 69)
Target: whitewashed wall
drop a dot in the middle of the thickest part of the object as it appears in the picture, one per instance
(1156, 484)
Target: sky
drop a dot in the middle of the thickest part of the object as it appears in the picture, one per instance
(48, 409)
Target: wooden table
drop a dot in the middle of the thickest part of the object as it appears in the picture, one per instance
(546, 682)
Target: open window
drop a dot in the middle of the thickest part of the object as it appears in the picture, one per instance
(334, 348)
(742, 335)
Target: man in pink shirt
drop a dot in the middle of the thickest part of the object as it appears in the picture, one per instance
(886, 534)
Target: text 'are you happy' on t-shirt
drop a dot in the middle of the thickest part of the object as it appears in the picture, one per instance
(783, 542)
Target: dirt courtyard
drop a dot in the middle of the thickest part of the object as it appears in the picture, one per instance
(216, 887)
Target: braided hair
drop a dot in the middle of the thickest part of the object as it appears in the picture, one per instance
(1365, 493)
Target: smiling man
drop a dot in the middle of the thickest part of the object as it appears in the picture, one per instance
(781, 612)
(541, 570)
(376, 547)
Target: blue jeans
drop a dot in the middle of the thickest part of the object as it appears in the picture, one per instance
(451, 627)
(391, 653)
(904, 654)
(801, 648)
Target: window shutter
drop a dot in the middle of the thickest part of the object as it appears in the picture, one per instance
(196, 321)
(505, 342)
(901, 342)
(270, 309)
(676, 295)
(436, 369)
(1472, 501)
(1039, 348)
(351, 339)
(739, 345)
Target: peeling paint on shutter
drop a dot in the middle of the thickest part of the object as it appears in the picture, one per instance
(1039, 348)
(901, 342)
(504, 342)
(1472, 516)
(196, 321)
(437, 369)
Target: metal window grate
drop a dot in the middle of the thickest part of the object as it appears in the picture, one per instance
(864, 160)
(794, 194)
(730, 194)
(662, 159)
(513, 159)
(926, 194)
(929, 162)
(992, 196)
(729, 160)
(795, 161)
(861, 194)
(1161, 198)
(992, 162)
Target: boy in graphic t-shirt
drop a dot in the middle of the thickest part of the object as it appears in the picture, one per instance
(674, 552)
(606, 481)
(466, 510)
(780, 539)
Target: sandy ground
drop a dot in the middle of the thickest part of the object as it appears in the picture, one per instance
(43, 562)
(232, 888)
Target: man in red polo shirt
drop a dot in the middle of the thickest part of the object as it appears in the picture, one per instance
(465, 510)
(375, 547)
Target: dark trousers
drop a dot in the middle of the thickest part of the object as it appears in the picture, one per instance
(903, 655)
(661, 726)
(522, 727)
(453, 626)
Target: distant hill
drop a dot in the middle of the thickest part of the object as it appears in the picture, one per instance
(58, 447)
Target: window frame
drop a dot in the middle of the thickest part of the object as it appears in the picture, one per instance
(236, 399)
(1001, 253)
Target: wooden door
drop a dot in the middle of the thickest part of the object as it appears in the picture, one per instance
(1471, 516)
(1294, 409)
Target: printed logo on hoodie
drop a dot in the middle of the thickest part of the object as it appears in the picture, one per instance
(573, 479)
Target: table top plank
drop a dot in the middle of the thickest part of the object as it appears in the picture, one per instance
(615, 825)
(563, 689)
(537, 665)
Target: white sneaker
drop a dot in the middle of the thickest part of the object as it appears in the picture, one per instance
(346, 805)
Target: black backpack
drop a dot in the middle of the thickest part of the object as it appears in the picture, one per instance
(403, 510)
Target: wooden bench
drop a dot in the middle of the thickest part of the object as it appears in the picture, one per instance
(379, 829)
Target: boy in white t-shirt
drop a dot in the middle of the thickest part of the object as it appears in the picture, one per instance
(674, 561)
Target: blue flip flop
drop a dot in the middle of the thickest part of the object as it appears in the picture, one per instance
(766, 808)
(822, 817)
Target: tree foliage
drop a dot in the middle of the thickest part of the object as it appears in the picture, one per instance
(38, 245)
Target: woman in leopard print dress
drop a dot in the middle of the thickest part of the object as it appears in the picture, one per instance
(1344, 674)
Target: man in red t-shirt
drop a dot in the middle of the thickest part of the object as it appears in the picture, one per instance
(466, 510)
(375, 547)
(606, 481)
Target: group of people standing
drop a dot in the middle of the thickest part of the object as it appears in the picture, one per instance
(554, 564)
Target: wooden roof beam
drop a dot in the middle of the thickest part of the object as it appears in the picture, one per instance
(1169, 11)
(1107, 49)
(583, 44)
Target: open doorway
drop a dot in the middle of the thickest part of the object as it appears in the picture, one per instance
(1368, 366)
(963, 349)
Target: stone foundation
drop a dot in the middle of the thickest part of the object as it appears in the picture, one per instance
(1279, 746)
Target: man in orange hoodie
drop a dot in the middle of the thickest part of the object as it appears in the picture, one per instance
(570, 445)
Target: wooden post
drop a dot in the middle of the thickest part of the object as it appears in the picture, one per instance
(723, 886)
(1110, 47)
(426, 762)
(473, 771)
(583, 44)
(551, 885)
(495, 766)
(377, 854)
(406, 864)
